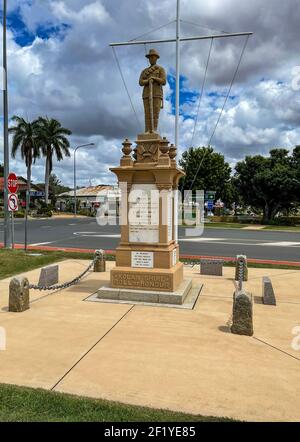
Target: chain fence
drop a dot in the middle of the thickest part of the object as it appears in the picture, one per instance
(65, 284)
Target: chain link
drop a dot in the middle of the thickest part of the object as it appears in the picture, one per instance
(65, 284)
(241, 274)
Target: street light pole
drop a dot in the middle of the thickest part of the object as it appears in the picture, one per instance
(75, 185)
(7, 236)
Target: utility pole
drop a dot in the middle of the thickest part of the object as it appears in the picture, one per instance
(7, 235)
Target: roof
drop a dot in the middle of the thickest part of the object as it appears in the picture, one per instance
(91, 191)
(22, 182)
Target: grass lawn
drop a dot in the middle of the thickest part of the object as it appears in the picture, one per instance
(241, 226)
(288, 228)
(225, 225)
(13, 262)
(20, 404)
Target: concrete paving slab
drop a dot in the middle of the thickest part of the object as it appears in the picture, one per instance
(184, 360)
(45, 341)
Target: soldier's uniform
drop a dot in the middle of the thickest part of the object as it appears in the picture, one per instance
(157, 92)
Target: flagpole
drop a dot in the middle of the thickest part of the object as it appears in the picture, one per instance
(177, 74)
(7, 239)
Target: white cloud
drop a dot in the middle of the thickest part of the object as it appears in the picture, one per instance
(76, 79)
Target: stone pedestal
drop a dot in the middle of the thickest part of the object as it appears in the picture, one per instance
(147, 257)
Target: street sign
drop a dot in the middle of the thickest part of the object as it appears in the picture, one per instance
(12, 183)
(210, 204)
(12, 202)
(37, 193)
(210, 195)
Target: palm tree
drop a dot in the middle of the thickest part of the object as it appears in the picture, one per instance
(25, 139)
(52, 140)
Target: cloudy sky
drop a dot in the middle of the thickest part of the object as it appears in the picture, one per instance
(60, 65)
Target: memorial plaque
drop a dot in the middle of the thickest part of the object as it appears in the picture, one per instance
(143, 213)
(142, 259)
(174, 257)
(170, 216)
(176, 216)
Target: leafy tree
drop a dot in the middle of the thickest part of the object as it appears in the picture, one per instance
(1, 170)
(269, 183)
(53, 141)
(56, 187)
(214, 172)
(25, 139)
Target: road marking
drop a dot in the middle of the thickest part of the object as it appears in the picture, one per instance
(42, 243)
(202, 239)
(84, 233)
(281, 244)
(97, 235)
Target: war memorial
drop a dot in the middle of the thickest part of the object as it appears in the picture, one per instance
(147, 259)
(144, 328)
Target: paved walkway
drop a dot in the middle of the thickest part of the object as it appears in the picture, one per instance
(184, 360)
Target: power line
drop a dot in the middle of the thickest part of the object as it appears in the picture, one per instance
(153, 30)
(222, 110)
(204, 27)
(126, 88)
(229, 90)
(202, 90)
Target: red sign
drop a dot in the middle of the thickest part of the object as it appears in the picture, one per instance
(12, 183)
(12, 202)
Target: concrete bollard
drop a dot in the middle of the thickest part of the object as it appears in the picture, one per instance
(18, 294)
(211, 267)
(241, 260)
(242, 314)
(268, 295)
(100, 262)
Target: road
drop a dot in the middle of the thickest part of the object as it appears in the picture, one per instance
(87, 234)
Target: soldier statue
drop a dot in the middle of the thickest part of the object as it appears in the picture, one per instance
(152, 79)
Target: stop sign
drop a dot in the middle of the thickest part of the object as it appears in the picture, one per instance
(12, 183)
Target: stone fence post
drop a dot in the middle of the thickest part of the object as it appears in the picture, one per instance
(18, 294)
(100, 261)
(241, 265)
(242, 314)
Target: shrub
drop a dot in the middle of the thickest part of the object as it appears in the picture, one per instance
(285, 221)
(84, 212)
(19, 214)
(44, 212)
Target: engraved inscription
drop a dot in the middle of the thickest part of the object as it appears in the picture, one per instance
(150, 281)
(143, 213)
(142, 259)
(174, 257)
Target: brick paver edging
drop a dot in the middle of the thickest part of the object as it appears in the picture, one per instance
(183, 257)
